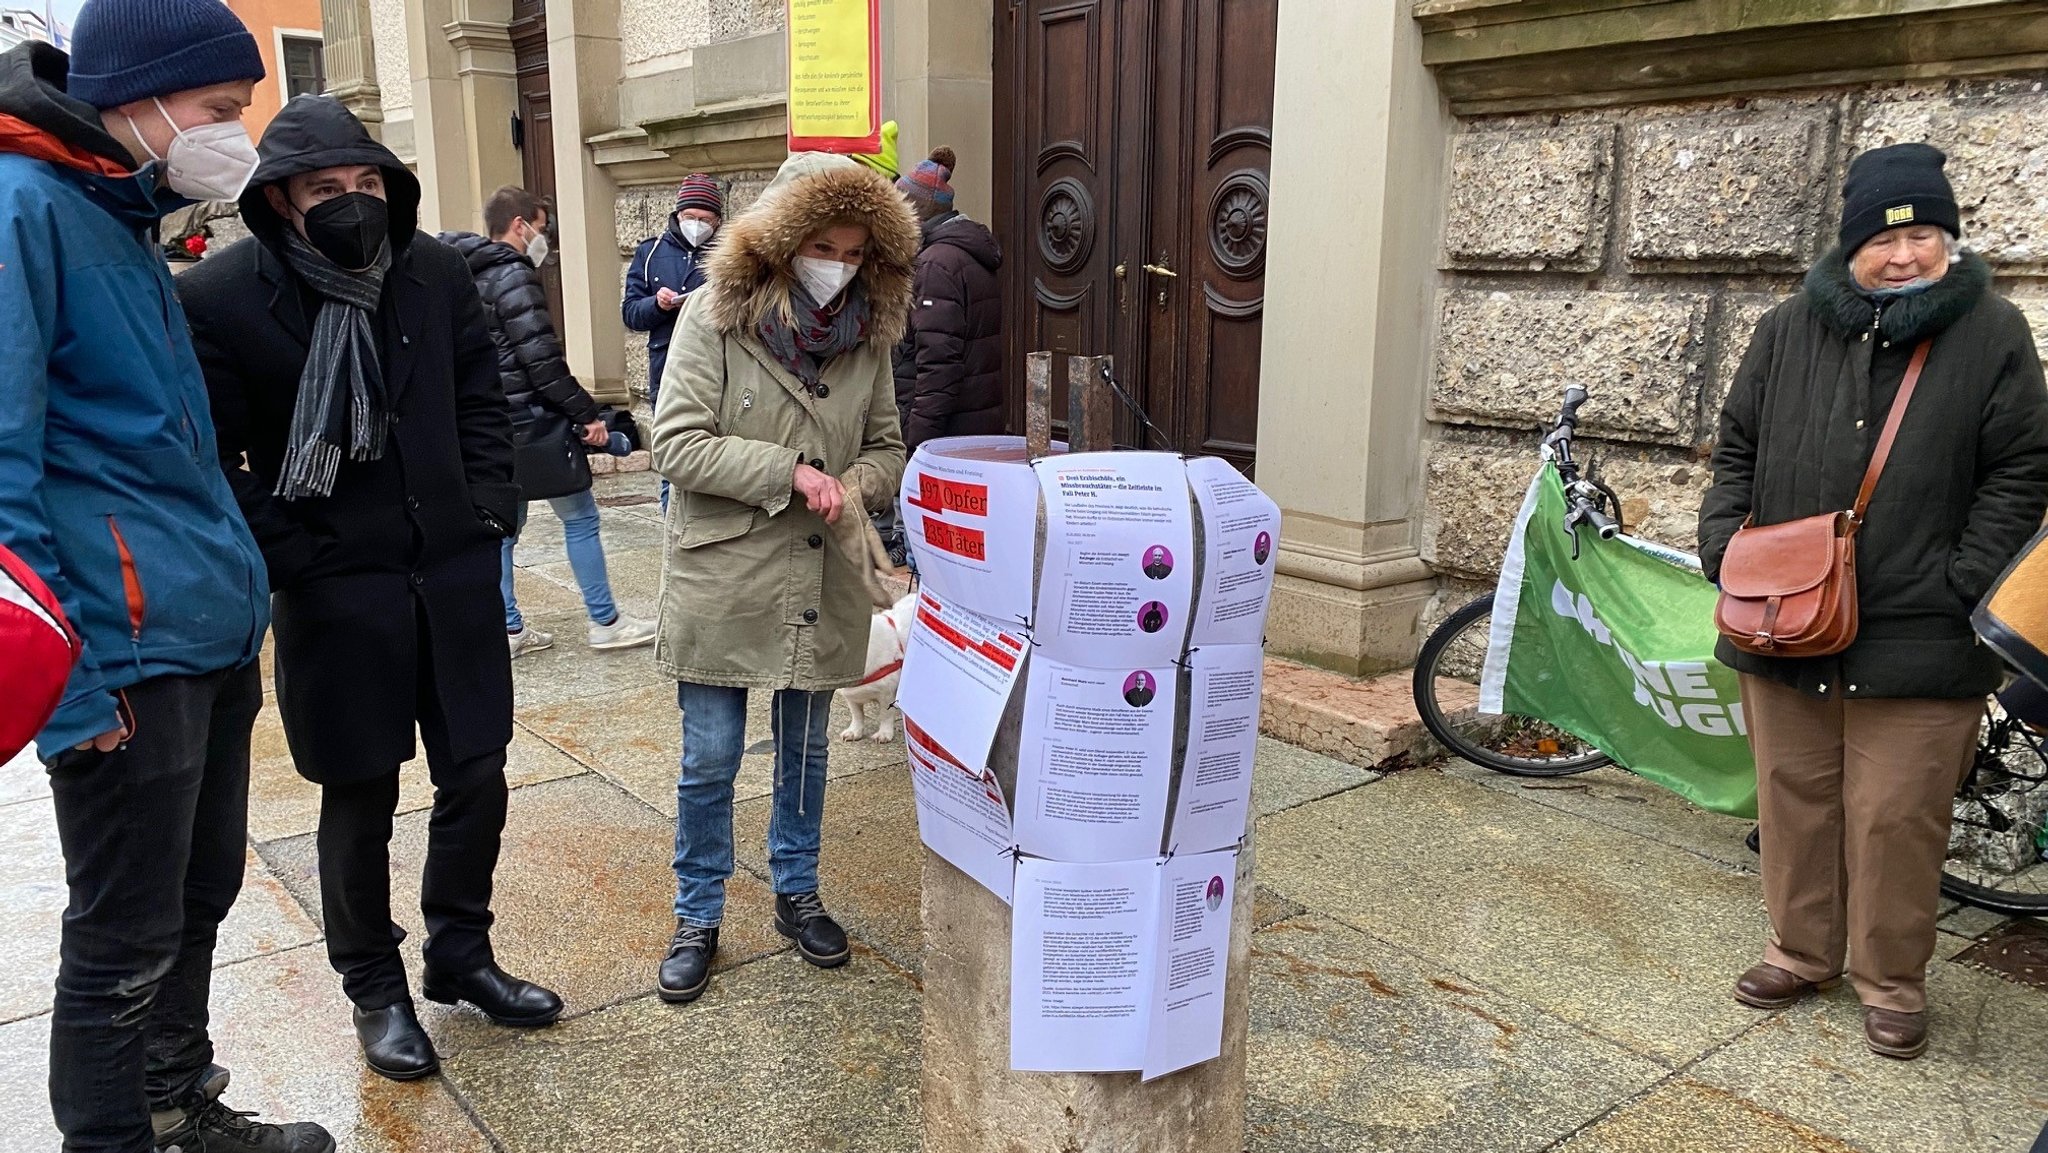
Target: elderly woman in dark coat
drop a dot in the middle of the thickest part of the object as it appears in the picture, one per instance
(1858, 753)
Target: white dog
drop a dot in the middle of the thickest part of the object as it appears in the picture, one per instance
(888, 633)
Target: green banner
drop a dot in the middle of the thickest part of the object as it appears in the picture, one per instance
(1617, 648)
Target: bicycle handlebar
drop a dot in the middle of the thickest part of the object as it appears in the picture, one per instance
(1574, 397)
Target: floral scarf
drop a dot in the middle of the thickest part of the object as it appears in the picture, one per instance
(819, 334)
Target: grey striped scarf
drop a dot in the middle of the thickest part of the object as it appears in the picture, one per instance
(341, 405)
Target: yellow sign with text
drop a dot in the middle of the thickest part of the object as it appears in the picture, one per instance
(834, 55)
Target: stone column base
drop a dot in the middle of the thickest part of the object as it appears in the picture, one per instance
(1357, 632)
(974, 1103)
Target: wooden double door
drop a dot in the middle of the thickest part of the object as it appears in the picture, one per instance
(535, 135)
(1133, 142)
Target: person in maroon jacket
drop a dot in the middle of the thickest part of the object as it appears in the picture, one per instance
(949, 367)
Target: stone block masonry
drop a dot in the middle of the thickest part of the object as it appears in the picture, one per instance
(1529, 199)
(1633, 249)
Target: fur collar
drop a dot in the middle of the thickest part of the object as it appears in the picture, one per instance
(1832, 294)
(750, 270)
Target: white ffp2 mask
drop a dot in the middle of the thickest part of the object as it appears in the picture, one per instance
(695, 231)
(537, 249)
(824, 279)
(207, 162)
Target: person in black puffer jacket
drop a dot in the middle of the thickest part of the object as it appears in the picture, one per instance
(1858, 754)
(535, 374)
(949, 367)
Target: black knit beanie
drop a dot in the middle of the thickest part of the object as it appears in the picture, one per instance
(1893, 187)
(127, 50)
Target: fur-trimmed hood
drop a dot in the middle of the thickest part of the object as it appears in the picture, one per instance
(751, 271)
(1832, 294)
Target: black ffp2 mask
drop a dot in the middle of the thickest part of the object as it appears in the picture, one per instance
(349, 229)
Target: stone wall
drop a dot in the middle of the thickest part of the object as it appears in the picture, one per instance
(1633, 249)
(641, 211)
(394, 63)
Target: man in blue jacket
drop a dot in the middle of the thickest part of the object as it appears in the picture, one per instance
(666, 269)
(111, 491)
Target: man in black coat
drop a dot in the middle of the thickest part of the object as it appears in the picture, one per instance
(535, 375)
(346, 355)
(1859, 753)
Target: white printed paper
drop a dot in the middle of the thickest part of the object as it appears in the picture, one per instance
(1215, 794)
(1081, 961)
(961, 814)
(970, 512)
(1095, 762)
(1241, 531)
(1185, 1023)
(958, 671)
(1119, 563)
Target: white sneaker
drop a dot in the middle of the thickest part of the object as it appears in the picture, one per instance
(529, 641)
(624, 633)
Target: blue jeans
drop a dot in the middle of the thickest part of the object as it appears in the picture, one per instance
(586, 559)
(714, 737)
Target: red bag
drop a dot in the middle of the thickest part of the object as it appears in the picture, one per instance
(39, 646)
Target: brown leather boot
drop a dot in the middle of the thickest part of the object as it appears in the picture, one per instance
(1766, 986)
(1891, 1033)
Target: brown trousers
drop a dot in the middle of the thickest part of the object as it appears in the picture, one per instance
(1854, 801)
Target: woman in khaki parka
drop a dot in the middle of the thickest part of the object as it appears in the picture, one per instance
(777, 419)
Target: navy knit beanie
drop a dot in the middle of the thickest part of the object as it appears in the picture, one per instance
(1893, 187)
(127, 50)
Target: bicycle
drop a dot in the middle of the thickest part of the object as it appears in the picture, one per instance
(1998, 850)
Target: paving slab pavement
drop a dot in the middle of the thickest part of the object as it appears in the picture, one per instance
(1444, 960)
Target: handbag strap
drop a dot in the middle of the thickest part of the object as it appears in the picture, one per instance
(1891, 430)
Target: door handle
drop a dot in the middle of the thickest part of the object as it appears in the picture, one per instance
(1162, 270)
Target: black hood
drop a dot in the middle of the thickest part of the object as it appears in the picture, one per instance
(315, 132)
(32, 89)
(970, 237)
(480, 252)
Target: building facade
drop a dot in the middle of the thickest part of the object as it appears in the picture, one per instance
(1356, 246)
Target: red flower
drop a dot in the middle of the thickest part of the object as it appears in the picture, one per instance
(196, 244)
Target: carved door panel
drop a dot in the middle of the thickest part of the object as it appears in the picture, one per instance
(1131, 198)
(529, 31)
(1057, 178)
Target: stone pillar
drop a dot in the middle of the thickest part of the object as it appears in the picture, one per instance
(351, 60)
(441, 139)
(1350, 284)
(937, 64)
(489, 78)
(583, 75)
(974, 1103)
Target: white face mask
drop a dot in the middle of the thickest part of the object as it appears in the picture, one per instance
(537, 249)
(824, 279)
(695, 231)
(209, 162)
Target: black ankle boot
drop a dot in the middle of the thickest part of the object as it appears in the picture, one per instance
(394, 1044)
(802, 918)
(687, 968)
(503, 998)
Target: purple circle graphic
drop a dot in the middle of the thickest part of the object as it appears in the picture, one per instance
(1139, 689)
(1262, 547)
(1158, 562)
(1151, 616)
(1215, 893)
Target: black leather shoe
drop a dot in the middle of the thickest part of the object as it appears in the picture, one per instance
(802, 918)
(687, 968)
(503, 998)
(394, 1044)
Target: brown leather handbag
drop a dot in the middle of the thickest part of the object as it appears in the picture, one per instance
(1789, 590)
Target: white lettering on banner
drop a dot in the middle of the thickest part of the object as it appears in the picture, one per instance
(1663, 687)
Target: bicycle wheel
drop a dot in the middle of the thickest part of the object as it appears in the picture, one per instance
(1998, 842)
(1447, 695)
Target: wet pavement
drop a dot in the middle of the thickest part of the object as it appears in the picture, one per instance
(1446, 960)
